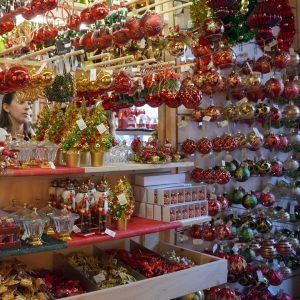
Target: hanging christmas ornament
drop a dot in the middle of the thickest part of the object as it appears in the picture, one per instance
(222, 176)
(263, 18)
(217, 144)
(236, 264)
(37, 8)
(249, 201)
(290, 90)
(209, 233)
(223, 202)
(222, 87)
(245, 66)
(274, 88)
(275, 115)
(213, 78)
(151, 24)
(241, 138)
(17, 77)
(283, 216)
(212, 112)
(229, 143)
(232, 112)
(204, 145)
(101, 40)
(268, 251)
(283, 142)
(209, 176)
(281, 59)
(196, 231)
(49, 4)
(262, 167)
(86, 41)
(249, 255)
(28, 14)
(246, 111)
(267, 199)
(271, 212)
(253, 142)
(246, 234)
(247, 218)
(199, 79)
(234, 80)
(290, 164)
(262, 111)
(221, 7)
(242, 173)
(189, 146)
(99, 11)
(225, 58)
(212, 29)
(197, 175)
(263, 65)
(293, 241)
(255, 246)
(222, 231)
(191, 96)
(264, 225)
(283, 247)
(86, 16)
(197, 114)
(285, 271)
(237, 196)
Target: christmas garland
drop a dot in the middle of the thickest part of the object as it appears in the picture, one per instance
(198, 12)
(287, 28)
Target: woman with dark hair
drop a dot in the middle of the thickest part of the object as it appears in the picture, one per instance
(13, 117)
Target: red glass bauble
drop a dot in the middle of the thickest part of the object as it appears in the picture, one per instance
(212, 293)
(212, 112)
(7, 26)
(209, 176)
(17, 77)
(225, 293)
(101, 40)
(267, 199)
(230, 143)
(209, 233)
(222, 87)
(275, 278)
(225, 58)
(213, 78)
(263, 18)
(290, 90)
(86, 40)
(263, 65)
(74, 22)
(196, 232)
(199, 79)
(274, 88)
(35, 39)
(189, 146)
(209, 91)
(223, 202)
(204, 146)
(202, 49)
(236, 264)
(221, 7)
(283, 297)
(191, 96)
(197, 175)
(50, 32)
(283, 142)
(49, 4)
(245, 68)
(173, 100)
(40, 34)
(255, 194)
(121, 36)
(234, 80)
(99, 11)
(122, 83)
(3, 87)
(151, 24)
(133, 25)
(256, 92)
(222, 176)
(239, 95)
(283, 247)
(276, 169)
(281, 59)
(37, 7)
(275, 115)
(28, 14)
(217, 144)
(259, 268)
(212, 29)
(271, 140)
(197, 114)
(86, 16)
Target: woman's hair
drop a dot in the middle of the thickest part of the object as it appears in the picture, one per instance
(5, 121)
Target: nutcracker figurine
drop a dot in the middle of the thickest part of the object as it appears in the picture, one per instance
(68, 193)
(91, 193)
(76, 185)
(52, 192)
(103, 208)
(71, 202)
(59, 191)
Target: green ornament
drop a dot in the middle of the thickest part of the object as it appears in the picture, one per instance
(292, 263)
(71, 112)
(230, 167)
(249, 201)
(110, 139)
(108, 146)
(241, 174)
(49, 138)
(45, 122)
(52, 132)
(94, 127)
(41, 126)
(276, 125)
(287, 149)
(236, 196)
(88, 132)
(38, 131)
(233, 233)
(247, 234)
(101, 118)
(117, 213)
(123, 207)
(78, 133)
(66, 147)
(98, 122)
(61, 122)
(57, 127)
(73, 140)
(249, 255)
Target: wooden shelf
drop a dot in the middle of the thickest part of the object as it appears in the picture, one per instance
(198, 220)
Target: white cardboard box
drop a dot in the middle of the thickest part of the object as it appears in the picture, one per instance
(140, 209)
(156, 179)
(158, 213)
(149, 211)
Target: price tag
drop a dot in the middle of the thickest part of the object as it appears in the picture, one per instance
(101, 128)
(224, 123)
(294, 252)
(197, 241)
(292, 51)
(228, 224)
(122, 199)
(110, 232)
(100, 277)
(205, 127)
(259, 275)
(52, 164)
(239, 103)
(93, 74)
(276, 106)
(210, 65)
(223, 163)
(206, 119)
(228, 158)
(215, 248)
(267, 48)
(273, 43)
(257, 132)
(76, 229)
(235, 214)
(41, 68)
(266, 190)
(24, 236)
(280, 293)
(81, 124)
(271, 291)
(79, 268)
(244, 54)
(234, 249)
(185, 68)
(237, 245)
(275, 264)
(183, 237)
(68, 45)
(84, 67)
(182, 124)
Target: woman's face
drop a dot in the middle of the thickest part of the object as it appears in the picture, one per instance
(17, 111)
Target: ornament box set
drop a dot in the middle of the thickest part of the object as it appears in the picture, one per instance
(9, 231)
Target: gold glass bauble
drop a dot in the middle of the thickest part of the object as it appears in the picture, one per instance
(176, 48)
(104, 80)
(82, 83)
(232, 112)
(247, 110)
(47, 78)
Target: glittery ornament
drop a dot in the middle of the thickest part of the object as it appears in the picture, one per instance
(17, 77)
(217, 144)
(291, 165)
(212, 112)
(274, 88)
(275, 115)
(86, 16)
(197, 114)
(225, 293)
(267, 199)
(267, 251)
(249, 255)
(189, 146)
(232, 112)
(222, 176)
(209, 233)
(253, 142)
(204, 146)
(263, 65)
(199, 79)
(262, 111)
(196, 232)
(249, 201)
(229, 143)
(246, 234)
(236, 264)
(283, 247)
(222, 10)
(222, 232)
(225, 58)
(263, 167)
(234, 80)
(197, 175)
(241, 139)
(283, 216)
(285, 271)
(212, 29)
(290, 90)
(246, 110)
(264, 225)
(245, 66)
(236, 196)
(241, 174)
(151, 24)
(281, 59)
(209, 176)
(213, 78)
(223, 202)
(191, 96)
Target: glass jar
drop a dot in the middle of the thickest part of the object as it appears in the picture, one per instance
(12, 207)
(46, 152)
(48, 212)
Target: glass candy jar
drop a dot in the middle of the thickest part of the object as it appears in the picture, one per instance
(34, 226)
(24, 211)
(33, 153)
(37, 204)
(12, 207)
(48, 212)
(46, 152)
(64, 222)
(23, 152)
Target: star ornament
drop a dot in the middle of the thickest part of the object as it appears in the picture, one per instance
(213, 26)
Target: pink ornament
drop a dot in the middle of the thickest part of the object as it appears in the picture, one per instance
(290, 90)
(267, 199)
(255, 194)
(283, 142)
(281, 59)
(274, 88)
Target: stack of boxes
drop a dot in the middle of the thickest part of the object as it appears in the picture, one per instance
(167, 198)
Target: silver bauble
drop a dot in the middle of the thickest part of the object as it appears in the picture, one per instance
(290, 112)
(294, 191)
(291, 165)
(294, 138)
(295, 59)
(293, 241)
(285, 271)
(272, 213)
(283, 216)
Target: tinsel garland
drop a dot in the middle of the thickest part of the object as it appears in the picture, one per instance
(198, 12)
(236, 27)
(287, 27)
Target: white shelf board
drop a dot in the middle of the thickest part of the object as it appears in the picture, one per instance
(133, 132)
(190, 222)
